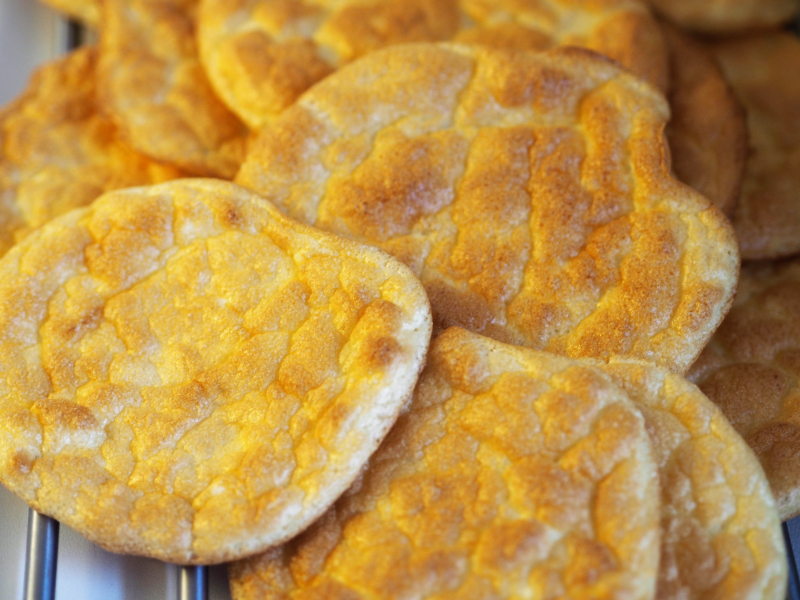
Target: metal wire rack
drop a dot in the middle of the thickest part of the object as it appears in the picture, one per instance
(42, 546)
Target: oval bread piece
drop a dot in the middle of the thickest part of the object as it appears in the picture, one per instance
(87, 11)
(751, 369)
(530, 192)
(512, 474)
(59, 152)
(189, 375)
(767, 220)
(708, 130)
(720, 532)
(260, 55)
(726, 16)
(153, 86)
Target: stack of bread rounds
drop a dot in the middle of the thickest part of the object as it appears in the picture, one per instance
(423, 329)
(751, 369)
(59, 151)
(512, 473)
(530, 192)
(262, 54)
(193, 376)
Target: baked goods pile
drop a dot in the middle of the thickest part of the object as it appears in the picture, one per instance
(422, 330)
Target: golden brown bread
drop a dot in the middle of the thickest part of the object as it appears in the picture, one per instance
(58, 151)
(512, 474)
(751, 369)
(760, 69)
(87, 11)
(720, 532)
(530, 192)
(708, 131)
(726, 16)
(260, 55)
(189, 375)
(153, 86)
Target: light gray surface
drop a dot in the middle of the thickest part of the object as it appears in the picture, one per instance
(86, 571)
(29, 35)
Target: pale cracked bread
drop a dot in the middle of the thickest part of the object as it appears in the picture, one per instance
(721, 537)
(59, 152)
(189, 375)
(530, 192)
(154, 88)
(512, 474)
(751, 369)
(260, 55)
(708, 131)
(726, 16)
(761, 69)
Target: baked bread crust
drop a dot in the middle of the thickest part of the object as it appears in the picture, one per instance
(726, 16)
(720, 532)
(767, 219)
(261, 55)
(153, 86)
(751, 369)
(707, 133)
(189, 375)
(513, 473)
(530, 192)
(59, 152)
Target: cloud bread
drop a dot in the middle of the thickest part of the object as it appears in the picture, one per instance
(720, 533)
(260, 55)
(512, 474)
(154, 87)
(767, 220)
(530, 192)
(58, 151)
(707, 132)
(189, 375)
(88, 11)
(726, 16)
(751, 369)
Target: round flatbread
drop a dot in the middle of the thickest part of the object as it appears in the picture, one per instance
(708, 131)
(530, 192)
(767, 220)
(720, 532)
(193, 377)
(512, 474)
(260, 55)
(58, 151)
(726, 16)
(153, 86)
(86, 11)
(751, 369)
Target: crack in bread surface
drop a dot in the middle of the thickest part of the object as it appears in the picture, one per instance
(262, 55)
(751, 369)
(529, 192)
(512, 474)
(191, 376)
